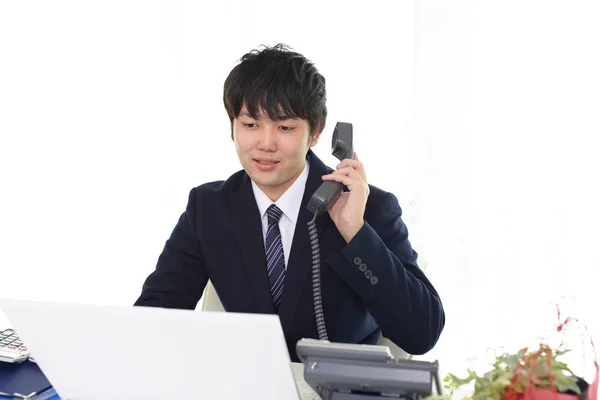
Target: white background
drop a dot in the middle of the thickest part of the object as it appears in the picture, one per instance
(482, 117)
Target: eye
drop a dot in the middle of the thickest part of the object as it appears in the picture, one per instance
(250, 125)
(286, 128)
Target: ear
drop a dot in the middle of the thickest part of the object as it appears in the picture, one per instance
(318, 130)
(315, 139)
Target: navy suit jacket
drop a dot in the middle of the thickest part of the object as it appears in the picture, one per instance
(370, 286)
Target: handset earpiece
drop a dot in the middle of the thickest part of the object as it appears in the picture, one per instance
(341, 141)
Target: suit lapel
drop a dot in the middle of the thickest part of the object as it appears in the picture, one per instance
(247, 223)
(300, 260)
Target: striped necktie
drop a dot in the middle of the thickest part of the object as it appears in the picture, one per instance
(275, 259)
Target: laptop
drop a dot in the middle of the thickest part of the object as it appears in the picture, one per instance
(94, 352)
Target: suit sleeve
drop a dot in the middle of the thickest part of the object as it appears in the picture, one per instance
(180, 276)
(380, 265)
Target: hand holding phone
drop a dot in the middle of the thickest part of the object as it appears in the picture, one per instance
(330, 191)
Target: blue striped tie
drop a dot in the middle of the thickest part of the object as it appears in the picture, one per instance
(275, 259)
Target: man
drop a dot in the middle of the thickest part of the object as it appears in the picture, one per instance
(249, 234)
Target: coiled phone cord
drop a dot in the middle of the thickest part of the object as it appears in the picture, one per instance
(316, 278)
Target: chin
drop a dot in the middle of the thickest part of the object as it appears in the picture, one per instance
(267, 182)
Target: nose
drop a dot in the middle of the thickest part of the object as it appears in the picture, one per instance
(267, 139)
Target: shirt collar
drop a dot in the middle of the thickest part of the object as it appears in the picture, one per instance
(289, 202)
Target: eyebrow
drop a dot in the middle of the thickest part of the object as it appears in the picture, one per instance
(246, 114)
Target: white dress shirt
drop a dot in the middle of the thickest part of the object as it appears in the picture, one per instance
(289, 203)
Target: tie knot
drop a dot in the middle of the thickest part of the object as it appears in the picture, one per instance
(274, 214)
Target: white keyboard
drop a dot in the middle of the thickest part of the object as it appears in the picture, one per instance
(12, 349)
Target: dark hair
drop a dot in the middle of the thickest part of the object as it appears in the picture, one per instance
(279, 82)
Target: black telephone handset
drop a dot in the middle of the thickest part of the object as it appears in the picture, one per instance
(329, 191)
(319, 203)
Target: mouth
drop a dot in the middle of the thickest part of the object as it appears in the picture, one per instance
(265, 161)
(265, 164)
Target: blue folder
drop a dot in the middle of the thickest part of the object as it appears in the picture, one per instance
(23, 378)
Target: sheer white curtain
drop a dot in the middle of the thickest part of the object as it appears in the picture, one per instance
(504, 163)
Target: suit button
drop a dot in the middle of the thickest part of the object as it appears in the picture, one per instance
(374, 280)
(368, 273)
(357, 260)
(362, 267)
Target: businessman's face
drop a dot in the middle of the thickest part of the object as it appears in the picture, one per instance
(272, 153)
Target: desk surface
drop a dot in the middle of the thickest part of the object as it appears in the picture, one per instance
(306, 392)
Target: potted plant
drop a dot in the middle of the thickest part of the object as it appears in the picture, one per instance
(522, 375)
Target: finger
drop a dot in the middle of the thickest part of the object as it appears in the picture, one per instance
(348, 176)
(356, 156)
(350, 183)
(351, 172)
(355, 164)
(350, 163)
